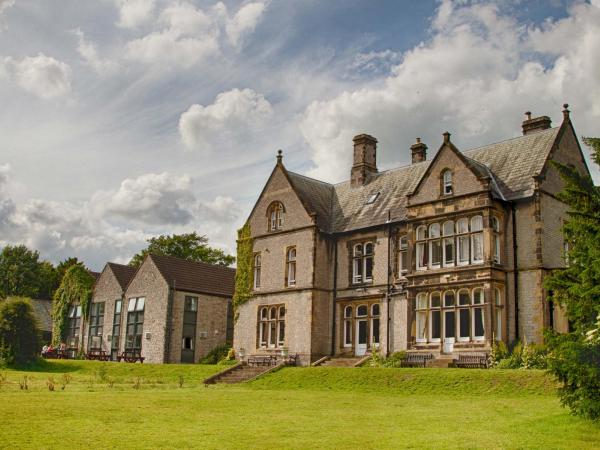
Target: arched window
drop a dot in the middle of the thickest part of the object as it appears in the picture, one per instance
(498, 323)
(449, 315)
(348, 326)
(476, 239)
(402, 255)
(362, 263)
(448, 247)
(462, 229)
(290, 267)
(478, 316)
(257, 270)
(496, 239)
(435, 317)
(435, 246)
(447, 182)
(275, 213)
(421, 313)
(464, 316)
(361, 311)
(271, 326)
(375, 324)
(421, 247)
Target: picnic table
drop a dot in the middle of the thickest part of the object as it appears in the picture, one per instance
(99, 355)
(130, 357)
(55, 354)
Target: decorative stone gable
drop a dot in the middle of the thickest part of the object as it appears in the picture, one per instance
(449, 175)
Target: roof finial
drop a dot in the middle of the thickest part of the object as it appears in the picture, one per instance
(279, 156)
(528, 114)
(566, 111)
(418, 140)
(446, 137)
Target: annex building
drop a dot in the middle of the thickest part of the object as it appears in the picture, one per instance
(168, 310)
(443, 255)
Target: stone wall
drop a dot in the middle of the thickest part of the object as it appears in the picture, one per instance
(149, 283)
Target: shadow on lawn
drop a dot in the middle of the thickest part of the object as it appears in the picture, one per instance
(43, 365)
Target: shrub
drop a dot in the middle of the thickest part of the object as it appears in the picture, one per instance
(522, 356)
(378, 360)
(216, 355)
(19, 332)
(575, 362)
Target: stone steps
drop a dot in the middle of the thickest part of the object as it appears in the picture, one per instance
(341, 362)
(239, 374)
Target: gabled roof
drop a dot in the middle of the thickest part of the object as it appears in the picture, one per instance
(122, 273)
(511, 165)
(95, 275)
(197, 277)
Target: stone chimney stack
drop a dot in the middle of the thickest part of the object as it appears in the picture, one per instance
(536, 124)
(365, 159)
(419, 151)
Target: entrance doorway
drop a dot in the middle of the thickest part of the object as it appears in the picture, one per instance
(362, 335)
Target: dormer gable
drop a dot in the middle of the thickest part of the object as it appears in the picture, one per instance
(450, 174)
(279, 207)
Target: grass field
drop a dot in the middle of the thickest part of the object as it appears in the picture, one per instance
(111, 405)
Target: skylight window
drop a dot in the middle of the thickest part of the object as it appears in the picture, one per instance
(372, 198)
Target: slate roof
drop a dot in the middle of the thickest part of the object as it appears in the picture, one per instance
(511, 165)
(122, 273)
(197, 277)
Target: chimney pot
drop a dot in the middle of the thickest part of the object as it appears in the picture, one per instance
(418, 151)
(536, 124)
(279, 156)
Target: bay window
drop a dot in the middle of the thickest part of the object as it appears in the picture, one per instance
(476, 239)
(271, 326)
(462, 228)
(421, 317)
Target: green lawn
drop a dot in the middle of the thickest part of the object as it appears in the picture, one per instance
(292, 408)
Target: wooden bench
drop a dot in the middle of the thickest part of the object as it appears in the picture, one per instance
(471, 361)
(262, 360)
(130, 357)
(55, 354)
(98, 355)
(416, 360)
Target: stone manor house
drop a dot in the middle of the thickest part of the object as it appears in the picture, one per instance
(442, 255)
(168, 310)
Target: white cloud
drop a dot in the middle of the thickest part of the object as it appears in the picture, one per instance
(475, 77)
(41, 75)
(88, 52)
(375, 62)
(134, 13)
(150, 198)
(244, 22)
(233, 114)
(114, 224)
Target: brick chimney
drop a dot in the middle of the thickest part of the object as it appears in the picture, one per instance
(536, 124)
(365, 159)
(419, 151)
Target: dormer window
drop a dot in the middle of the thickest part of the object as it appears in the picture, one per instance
(447, 182)
(275, 214)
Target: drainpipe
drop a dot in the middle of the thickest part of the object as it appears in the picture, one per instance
(387, 291)
(335, 270)
(515, 268)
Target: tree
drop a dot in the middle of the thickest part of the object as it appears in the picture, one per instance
(75, 288)
(575, 359)
(187, 246)
(19, 272)
(62, 266)
(48, 280)
(19, 331)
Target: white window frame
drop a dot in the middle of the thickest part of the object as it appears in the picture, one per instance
(348, 326)
(366, 258)
(460, 307)
(447, 188)
(496, 239)
(435, 237)
(477, 235)
(402, 251)
(433, 309)
(448, 237)
(375, 317)
(421, 313)
(478, 306)
(462, 239)
(291, 266)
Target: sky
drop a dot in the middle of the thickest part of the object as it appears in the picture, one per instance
(125, 119)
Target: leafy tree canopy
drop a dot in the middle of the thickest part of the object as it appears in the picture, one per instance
(189, 246)
(575, 356)
(19, 272)
(19, 331)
